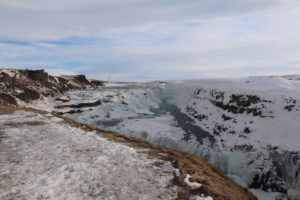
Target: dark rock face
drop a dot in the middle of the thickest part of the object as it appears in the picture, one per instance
(289, 107)
(15, 88)
(81, 79)
(239, 103)
(28, 95)
(195, 114)
(245, 100)
(226, 118)
(96, 83)
(292, 105)
(269, 181)
(36, 75)
(287, 165)
(244, 148)
(80, 105)
(6, 98)
(283, 173)
(69, 112)
(63, 84)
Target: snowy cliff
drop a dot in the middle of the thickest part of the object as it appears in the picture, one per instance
(247, 127)
(255, 122)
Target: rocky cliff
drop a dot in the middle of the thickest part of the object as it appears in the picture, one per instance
(20, 87)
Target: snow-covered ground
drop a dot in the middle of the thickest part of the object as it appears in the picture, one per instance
(43, 158)
(248, 127)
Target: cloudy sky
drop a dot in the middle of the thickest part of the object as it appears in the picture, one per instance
(142, 40)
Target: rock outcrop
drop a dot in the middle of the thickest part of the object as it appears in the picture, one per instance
(20, 87)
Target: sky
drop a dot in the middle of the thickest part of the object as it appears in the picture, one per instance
(145, 40)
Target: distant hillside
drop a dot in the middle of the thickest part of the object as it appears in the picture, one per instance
(20, 87)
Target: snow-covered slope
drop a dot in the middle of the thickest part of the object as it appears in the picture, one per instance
(255, 121)
(257, 107)
(247, 127)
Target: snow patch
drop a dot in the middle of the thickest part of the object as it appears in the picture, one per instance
(193, 185)
(202, 197)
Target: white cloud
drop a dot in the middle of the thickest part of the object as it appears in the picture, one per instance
(151, 39)
(55, 19)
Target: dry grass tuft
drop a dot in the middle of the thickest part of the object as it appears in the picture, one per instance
(35, 123)
(6, 109)
(30, 123)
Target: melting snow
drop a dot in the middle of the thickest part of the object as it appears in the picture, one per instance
(193, 185)
(202, 197)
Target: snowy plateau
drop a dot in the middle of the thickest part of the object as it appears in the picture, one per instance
(248, 127)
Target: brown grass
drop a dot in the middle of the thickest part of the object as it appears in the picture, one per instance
(6, 110)
(30, 123)
(214, 182)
